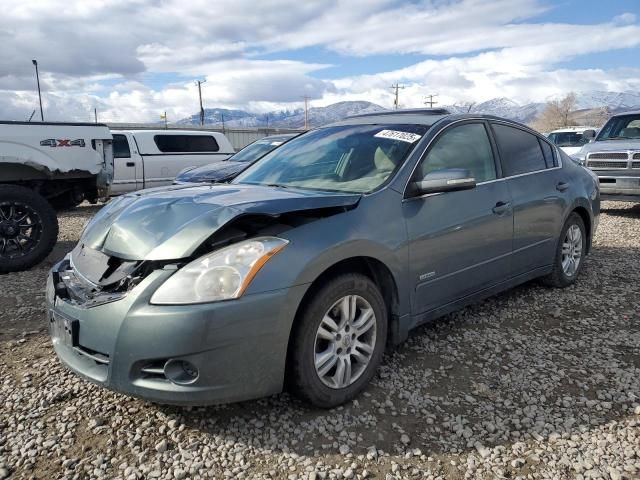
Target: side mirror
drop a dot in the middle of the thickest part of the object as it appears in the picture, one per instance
(589, 134)
(446, 180)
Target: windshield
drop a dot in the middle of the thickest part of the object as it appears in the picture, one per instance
(567, 139)
(621, 127)
(256, 150)
(348, 158)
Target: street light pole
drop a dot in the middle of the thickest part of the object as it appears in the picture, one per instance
(200, 82)
(39, 94)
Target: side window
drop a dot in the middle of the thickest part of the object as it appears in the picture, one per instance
(520, 151)
(466, 146)
(547, 151)
(186, 143)
(121, 147)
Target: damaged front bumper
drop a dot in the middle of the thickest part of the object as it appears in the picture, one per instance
(231, 350)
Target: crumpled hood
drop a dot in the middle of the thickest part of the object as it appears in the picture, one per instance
(171, 222)
(214, 172)
(610, 145)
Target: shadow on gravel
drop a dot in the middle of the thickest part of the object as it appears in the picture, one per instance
(533, 363)
(632, 211)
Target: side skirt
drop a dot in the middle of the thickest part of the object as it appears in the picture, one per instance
(408, 322)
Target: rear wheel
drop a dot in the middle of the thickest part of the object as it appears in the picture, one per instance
(339, 341)
(28, 228)
(570, 253)
(67, 201)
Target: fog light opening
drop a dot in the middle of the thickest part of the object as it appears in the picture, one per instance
(180, 372)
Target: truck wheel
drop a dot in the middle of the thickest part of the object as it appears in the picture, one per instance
(28, 228)
(67, 201)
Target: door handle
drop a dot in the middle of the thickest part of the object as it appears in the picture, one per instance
(131, 164)
(501, 208)
(562, 186)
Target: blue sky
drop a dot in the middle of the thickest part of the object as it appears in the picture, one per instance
(131, 60)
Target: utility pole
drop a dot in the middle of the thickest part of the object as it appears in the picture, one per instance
(164, 117)
(31, 116)
(39, 94)
(396, 87)
(95, 114)
(431, 102)
(222, 116)
(306, 112)
(199, 82)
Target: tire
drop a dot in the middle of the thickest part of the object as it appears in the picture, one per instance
(560, 276)
(361, 339)
(66, 201)
(22, 247)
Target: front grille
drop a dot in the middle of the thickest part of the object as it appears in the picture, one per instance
(609, 155)
(602, 164)
(636, 156)
(635, 164)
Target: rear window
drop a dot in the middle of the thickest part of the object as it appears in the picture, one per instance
(186, 143)
(548, 154)
(520, 151)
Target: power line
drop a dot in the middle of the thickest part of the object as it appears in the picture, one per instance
(396, 87)
(431, 102)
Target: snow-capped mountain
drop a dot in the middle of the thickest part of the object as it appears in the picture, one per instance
(616, 101)
(502, 107)
(284, 119)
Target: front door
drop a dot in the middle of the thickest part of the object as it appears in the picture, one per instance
(459, 242)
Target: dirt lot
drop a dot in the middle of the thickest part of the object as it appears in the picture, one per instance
(534, 383)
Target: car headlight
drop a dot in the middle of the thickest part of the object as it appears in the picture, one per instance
(220, 275)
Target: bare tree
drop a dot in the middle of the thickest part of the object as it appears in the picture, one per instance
(557, 114)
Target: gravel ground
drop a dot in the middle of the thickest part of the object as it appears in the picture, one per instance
(534, 383)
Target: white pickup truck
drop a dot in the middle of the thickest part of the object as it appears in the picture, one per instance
(45, 166)
(152, 158)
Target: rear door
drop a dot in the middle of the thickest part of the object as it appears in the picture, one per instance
(459, 242)
(127, 165)
(538, 189)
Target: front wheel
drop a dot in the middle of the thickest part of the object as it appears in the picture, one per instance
(569, 256)
(28, 228)
(339, 341)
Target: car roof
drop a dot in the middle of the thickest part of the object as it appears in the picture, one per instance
(169, 131)
(630, 112)
(579, 129)
(278, 136)
(422, 116)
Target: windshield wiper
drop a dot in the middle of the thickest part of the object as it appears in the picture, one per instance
(619, 138)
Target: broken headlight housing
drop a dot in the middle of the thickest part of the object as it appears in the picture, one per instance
(220, 275)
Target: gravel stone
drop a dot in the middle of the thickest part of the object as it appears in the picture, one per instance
(535, 383)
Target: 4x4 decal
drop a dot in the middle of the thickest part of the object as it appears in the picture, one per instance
(53, 142)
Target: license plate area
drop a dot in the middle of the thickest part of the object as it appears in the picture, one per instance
(64, 330)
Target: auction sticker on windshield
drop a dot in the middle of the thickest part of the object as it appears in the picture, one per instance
(397, 135)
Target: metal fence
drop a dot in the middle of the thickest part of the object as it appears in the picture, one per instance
(239, 137)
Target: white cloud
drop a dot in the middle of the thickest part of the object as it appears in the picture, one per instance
(107, 53)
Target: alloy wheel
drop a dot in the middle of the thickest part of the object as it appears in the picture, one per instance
(20, 229)
(345, 341)
(572, 250)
